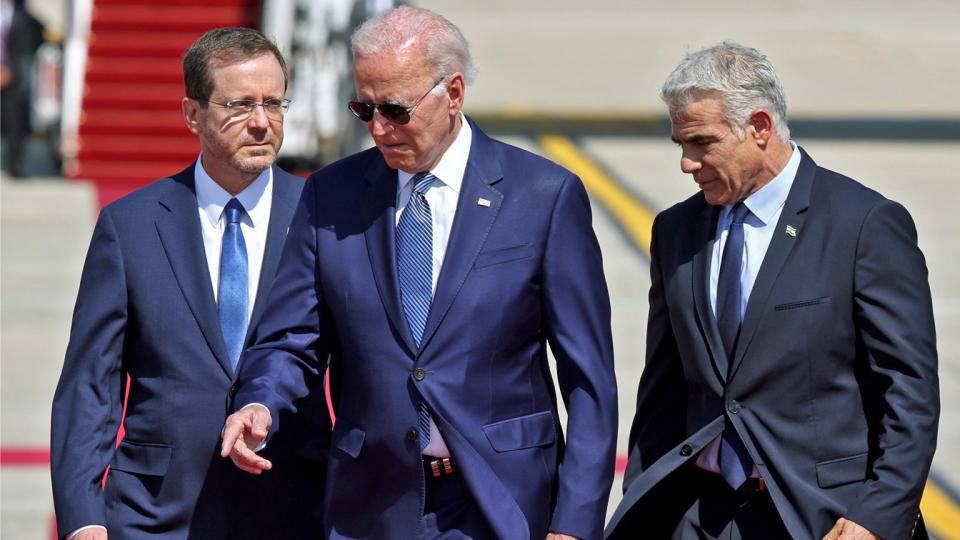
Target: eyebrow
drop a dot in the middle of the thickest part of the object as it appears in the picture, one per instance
(695, 139)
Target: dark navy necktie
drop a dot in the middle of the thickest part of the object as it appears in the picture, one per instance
(415, 270)
(232, 293)
(735, 462)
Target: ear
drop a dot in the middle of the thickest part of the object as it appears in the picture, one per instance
(760, 127)
(455, 90)
(191, 114)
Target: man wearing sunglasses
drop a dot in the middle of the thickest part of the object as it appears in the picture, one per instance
(440, 264)
(176, 275)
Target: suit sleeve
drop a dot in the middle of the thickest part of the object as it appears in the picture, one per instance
(893, 314)
(577, 315)
(291, 348)
(660, 418)
(88, 402)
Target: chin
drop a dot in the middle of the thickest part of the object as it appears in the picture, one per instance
(256, 164)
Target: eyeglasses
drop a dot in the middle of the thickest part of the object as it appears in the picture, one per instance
(398, 114)
(242, 108)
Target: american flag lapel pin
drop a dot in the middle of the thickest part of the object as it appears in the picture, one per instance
(791, 231)
(483, 202)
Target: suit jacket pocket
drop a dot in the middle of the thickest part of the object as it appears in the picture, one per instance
(802, 303)
(836, 472)
(348, 438)
(499, 256)
(526, 431)
(151, 459)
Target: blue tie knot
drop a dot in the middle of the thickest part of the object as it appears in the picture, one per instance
(739, 213)
(234, 211)
(422, 182)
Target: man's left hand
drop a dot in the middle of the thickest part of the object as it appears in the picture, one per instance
(845, 529)
(558, 536)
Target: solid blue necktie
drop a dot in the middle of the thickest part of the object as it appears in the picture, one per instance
(415, 270)
(232, 293)
(735, 462)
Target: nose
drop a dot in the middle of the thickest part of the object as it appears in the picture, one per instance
(689, 163)
(258, 118)
(379, 125)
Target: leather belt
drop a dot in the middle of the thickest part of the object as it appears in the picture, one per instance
(436, 466)
(753, 484)
(715, 483)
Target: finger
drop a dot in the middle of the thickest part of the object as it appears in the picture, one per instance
(231, 432)
(834, 533)
(246, 459)
(261, 423)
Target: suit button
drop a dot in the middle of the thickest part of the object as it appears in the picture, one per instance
(419, 374)
(733, 407)
(411, 434)
(685, 450)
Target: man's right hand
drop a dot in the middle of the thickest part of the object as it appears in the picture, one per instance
(243, 432)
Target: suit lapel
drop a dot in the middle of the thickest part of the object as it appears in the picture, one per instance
(794, 214)
(286, 194)
(382, 245)
(705, 234)
(179, 231)
(471, 224)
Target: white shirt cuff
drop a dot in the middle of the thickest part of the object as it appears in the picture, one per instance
(74, 533)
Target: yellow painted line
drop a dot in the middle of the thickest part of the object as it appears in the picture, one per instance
(631, 214)
(940, 513)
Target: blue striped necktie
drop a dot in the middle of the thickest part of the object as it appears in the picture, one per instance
(415, 270)
(735, 462)
(232, 292)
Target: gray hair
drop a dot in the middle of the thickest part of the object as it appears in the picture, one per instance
(447, 51)
(226, 45)
(742, 77)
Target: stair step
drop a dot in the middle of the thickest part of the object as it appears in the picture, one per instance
(180, 18)
(142, 70)
(127, 171)
(132, 122)
(125, 43)
(134, 147)
(246, 3)
(133, 95)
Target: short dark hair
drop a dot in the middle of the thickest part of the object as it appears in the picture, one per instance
(227, 45)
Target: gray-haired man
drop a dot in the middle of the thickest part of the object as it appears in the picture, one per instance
(790, 387)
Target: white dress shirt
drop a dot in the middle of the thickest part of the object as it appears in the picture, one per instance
(442, 196)
(256, 200)
(759, 226)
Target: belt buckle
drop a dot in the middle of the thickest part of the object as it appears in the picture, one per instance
(753, 485)
(441, 466)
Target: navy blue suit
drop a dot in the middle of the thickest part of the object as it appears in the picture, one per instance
(146, 308)
(833, 383)
(523, 268)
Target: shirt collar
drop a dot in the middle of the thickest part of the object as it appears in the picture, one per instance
(212, 198)
(453, 162)
(765, 203)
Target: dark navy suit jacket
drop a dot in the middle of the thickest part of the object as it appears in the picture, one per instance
(146, 308)
(523, 268)
(833, 385)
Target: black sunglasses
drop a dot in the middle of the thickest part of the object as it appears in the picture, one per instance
(398, 114)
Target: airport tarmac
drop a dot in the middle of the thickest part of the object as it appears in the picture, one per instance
(877, 60)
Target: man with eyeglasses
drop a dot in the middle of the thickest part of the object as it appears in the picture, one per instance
(440, 264)
(175, 279)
